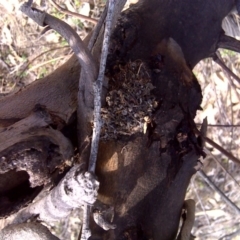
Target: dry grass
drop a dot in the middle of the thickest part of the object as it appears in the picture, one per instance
(25, 55)
(215, 219)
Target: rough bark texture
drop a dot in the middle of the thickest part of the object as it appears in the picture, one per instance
(34, 231)
(144, 176)
(31, 151)
(187, 22)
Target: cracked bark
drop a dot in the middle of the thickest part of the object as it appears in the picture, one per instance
(144, 176)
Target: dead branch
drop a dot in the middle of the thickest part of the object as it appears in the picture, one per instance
(222, 150)
(98, 88)
(84, 56)
(218, 147)
(78, 15)
(229, 43)
(97, 122)
(84, 112)
(30, 61)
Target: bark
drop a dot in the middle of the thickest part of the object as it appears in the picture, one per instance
(31, 151)
(75, 189)
(149, 150)
(34, 231)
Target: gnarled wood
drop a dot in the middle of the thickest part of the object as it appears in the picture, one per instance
(30, 152)
(145, 176)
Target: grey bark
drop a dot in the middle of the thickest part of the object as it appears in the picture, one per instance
(24, 231)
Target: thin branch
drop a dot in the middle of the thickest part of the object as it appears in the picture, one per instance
(228, 75)
(86, 99)
(88, 67)
(220, 125)
(83, 54)
(218, 147)
(98, 89)
(229, 43)
(78, 15)
(98, 28)
(97, 124)
(85, 93)
(222, 150)
(85, 231)
(118, 6)
(215, 188)
(33, 59)
(217, 59)
(45, 62)
(203, 132)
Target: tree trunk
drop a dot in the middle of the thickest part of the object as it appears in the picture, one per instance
(149, 149)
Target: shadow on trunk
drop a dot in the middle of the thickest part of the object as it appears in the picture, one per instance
(149, 150)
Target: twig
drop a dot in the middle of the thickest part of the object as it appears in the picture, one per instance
(46, 62)
(215, 188)
(97, 110)
(222, 150)
(116, 11)
(228, 75)
(220, 125)
(78, 15)
(218, 147)
(84, 56)
(98, 89)
(84, 232)
(224, 67)
(229, 43)
(85, 99)
(33, 59)
(85, 93)
(97, 28)
(203, 132)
